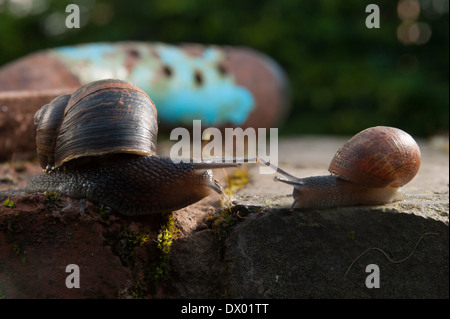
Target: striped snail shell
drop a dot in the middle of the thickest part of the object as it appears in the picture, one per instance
(99, 143)
(103, 117)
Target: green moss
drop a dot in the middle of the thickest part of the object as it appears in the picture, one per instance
(128, 243)
(223, 220)
(221, 224)
(125, 242)
(16, 249)
(139, 290)
(158, 249)
(52, 199)
(141, 238)
(239, 179)
(9, 203)
(351, 235)
(164, 240)
(104, 212)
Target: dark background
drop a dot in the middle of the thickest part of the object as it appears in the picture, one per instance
(344, 76)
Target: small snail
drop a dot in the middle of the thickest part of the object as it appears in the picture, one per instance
(367, 170)
(99, 143)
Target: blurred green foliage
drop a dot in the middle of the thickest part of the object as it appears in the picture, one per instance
(344, 76)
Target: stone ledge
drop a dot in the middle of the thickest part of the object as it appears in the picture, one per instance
(276, 253)
(268, 251)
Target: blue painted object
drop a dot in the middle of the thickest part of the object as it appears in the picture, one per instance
(183, 86)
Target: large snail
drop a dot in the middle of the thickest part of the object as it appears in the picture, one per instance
(99, 143)
(367, 170)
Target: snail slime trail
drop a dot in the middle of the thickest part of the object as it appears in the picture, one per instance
(239, 145)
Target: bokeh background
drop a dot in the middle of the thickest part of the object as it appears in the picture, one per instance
(344, 77)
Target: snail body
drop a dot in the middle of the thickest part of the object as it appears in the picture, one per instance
(131, 184)
(99, 143)
(368, 169)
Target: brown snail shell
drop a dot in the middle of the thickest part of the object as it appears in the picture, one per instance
(378, 157)
(367, 170)
(47, 121)
(103, 117)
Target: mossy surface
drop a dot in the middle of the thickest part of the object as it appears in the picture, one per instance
(9, 203)
(158, 268)
(238, 180)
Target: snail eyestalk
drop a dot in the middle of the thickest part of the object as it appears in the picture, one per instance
(295, 182)
(277, 169)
